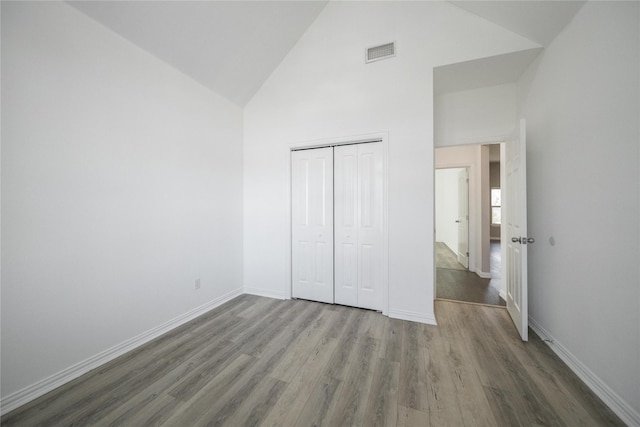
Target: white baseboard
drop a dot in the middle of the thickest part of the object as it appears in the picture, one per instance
(503, 295)
(483, 274)
(29, 393)
(412, 316)
(602, 390)
(265, 293)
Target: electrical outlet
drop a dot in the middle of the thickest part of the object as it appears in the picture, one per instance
(197, 283)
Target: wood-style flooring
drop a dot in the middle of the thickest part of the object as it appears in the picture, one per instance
(261, 362)
(446, 258)
(454, 282)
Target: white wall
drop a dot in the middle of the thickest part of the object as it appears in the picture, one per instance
(471, 117)
(121, 184)
(485, 211)
(447, 206)
(581, 101)
(323, 89)
(475, 116)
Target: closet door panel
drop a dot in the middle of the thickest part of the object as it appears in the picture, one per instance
(358, 225)
(312, 224)
(369, 225)
(345, 219)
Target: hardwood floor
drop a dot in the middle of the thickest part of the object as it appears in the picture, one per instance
(261, 362)
(446, 258)
(454, 282)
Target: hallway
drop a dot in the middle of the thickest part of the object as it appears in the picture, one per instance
(454, 282)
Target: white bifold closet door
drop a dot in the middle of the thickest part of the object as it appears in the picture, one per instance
(338, 192)
(312, 224)
(358, 225)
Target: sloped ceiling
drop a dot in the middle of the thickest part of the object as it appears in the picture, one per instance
(539, 21)
(232, 47)
(484, 72)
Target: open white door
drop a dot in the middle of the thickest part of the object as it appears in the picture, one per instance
(312, 224)
(463, 217)
(516, 221)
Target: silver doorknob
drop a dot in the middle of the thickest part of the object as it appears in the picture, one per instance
(523, 240)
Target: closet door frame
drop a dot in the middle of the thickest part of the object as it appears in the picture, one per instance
(383, 138)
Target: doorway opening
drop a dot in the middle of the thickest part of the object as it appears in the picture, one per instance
(468, 185)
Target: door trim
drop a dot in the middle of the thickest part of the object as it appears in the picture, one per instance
(472, 225)
(455, 163)
(382, 137)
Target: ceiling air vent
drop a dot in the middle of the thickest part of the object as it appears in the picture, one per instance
(384, 51)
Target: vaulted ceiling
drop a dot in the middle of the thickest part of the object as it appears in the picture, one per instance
(232, 47)
(539, 21)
